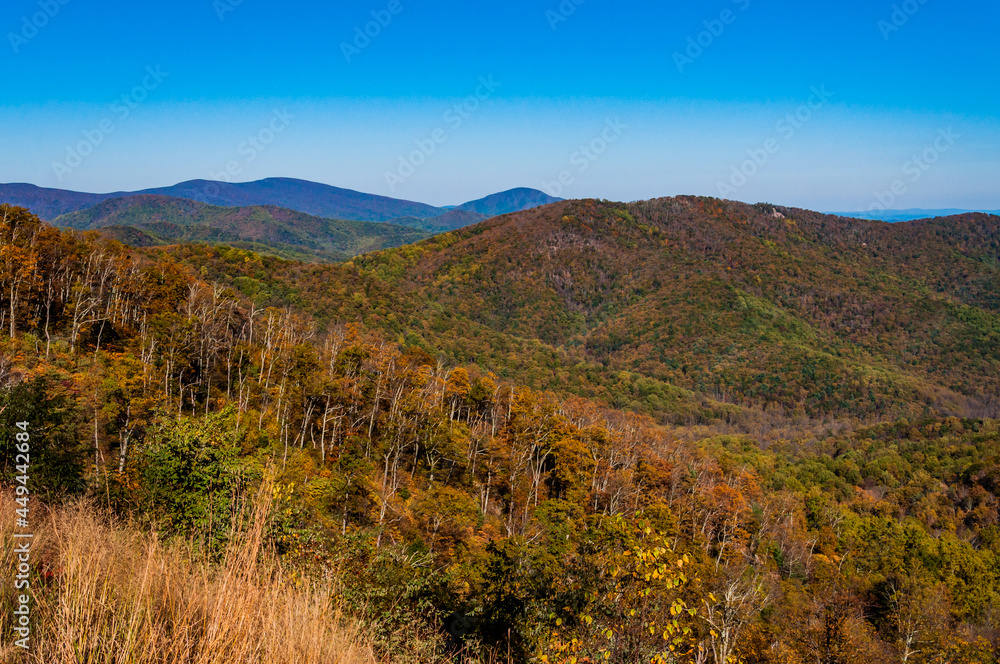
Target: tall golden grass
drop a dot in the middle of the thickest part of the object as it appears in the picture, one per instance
(108, 593)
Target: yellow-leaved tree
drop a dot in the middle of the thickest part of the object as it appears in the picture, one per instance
(635, 608)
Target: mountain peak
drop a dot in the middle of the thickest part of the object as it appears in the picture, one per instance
(512, 200)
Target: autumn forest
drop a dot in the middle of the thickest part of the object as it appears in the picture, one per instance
(677, 430)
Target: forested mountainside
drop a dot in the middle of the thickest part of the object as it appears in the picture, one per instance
(688, 309)
(148, 220)
(437, 425)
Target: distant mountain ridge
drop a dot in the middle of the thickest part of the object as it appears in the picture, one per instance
(48, 204)
(318, 200)
(911, 214)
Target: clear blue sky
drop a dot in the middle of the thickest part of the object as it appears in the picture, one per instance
(687, 124)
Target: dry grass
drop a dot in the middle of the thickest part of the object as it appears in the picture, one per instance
(120, 596)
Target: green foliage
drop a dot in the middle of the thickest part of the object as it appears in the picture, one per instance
(190, 476)
(56, 427)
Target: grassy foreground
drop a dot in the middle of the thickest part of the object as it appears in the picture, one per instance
(106, 592)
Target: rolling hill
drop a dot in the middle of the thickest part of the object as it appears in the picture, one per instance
(150, 220)
(680, 306)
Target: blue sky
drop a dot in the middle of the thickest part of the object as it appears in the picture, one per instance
(888, 101)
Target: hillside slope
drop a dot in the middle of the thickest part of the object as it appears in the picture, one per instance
(780, 310)
(149, 220)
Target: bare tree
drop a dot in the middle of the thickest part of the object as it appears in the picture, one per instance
(741, 595)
